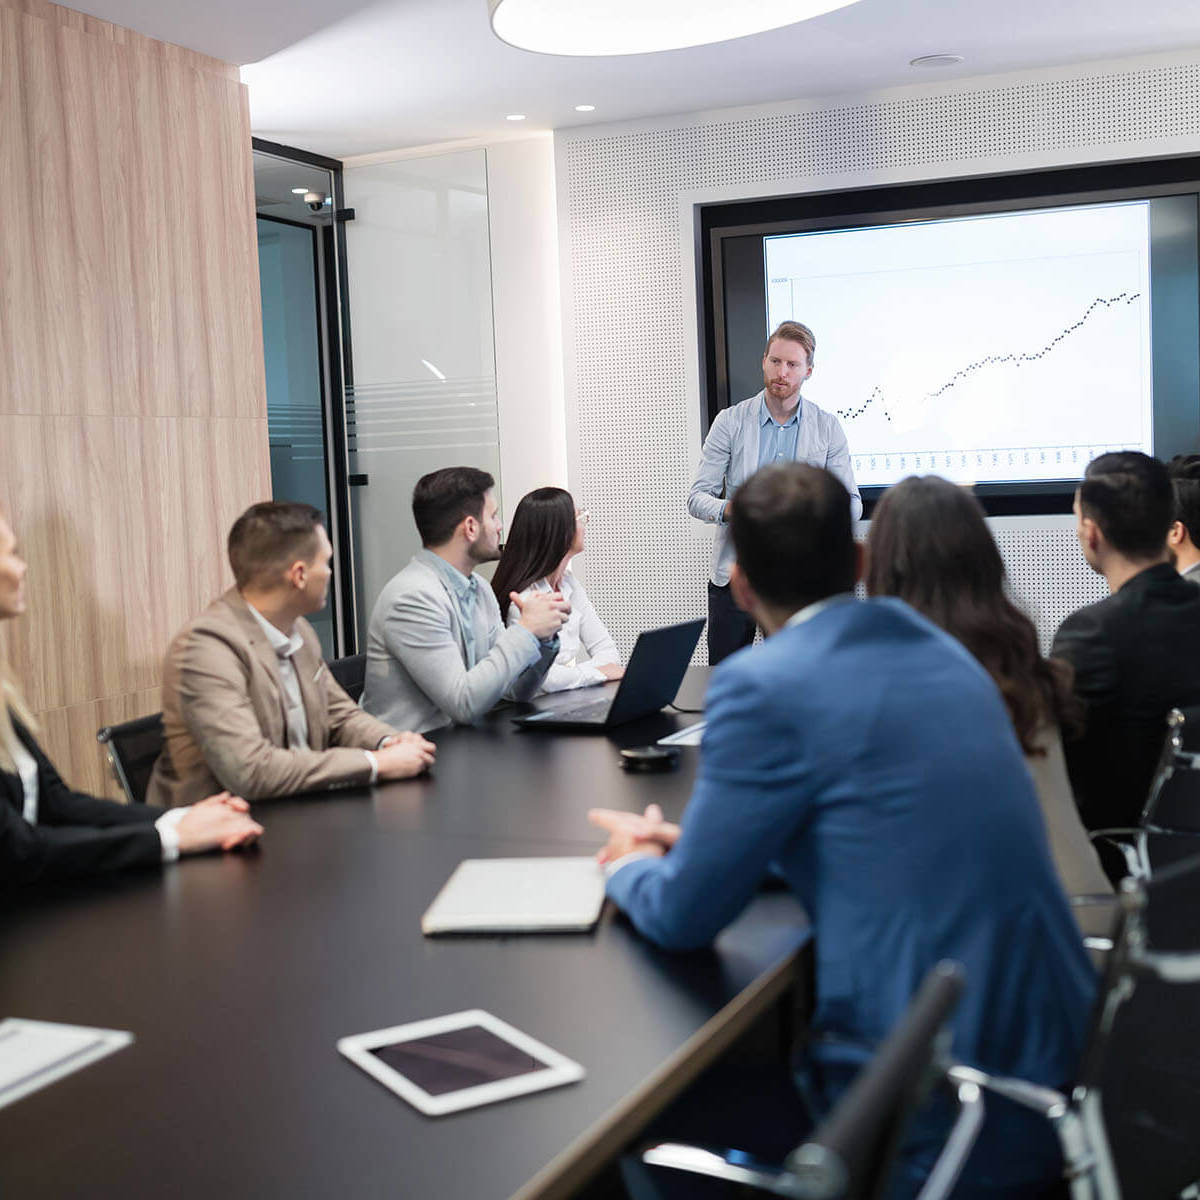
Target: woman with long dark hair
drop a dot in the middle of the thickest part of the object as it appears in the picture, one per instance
(930, 545)
(546, 532)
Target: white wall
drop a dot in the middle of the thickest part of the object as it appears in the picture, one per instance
(525, 297)
(627, 196)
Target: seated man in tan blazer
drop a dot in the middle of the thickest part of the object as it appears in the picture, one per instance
(248, 703)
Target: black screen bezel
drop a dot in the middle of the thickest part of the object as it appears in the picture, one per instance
(1176, 414)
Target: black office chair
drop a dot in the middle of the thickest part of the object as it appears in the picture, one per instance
(1128, 1125)
(851, 1154)
(1168, 830)
(133, 748)
(351, 673)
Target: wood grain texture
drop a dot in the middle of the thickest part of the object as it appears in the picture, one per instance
(80, 759)
(132, 389)
(137, 42)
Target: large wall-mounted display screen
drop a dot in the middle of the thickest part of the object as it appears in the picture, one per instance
(998, 343)
(1006, 347)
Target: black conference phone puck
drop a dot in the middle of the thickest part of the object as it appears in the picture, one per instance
(649, 758)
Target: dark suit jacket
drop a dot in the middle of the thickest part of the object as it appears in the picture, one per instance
(1136, 656)
(75, 834)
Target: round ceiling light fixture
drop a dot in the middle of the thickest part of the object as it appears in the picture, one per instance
(936, 60)
(599, 27)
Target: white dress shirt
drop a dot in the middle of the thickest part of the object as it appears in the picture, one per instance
(584, 643)
(284, 647)
(297, 719)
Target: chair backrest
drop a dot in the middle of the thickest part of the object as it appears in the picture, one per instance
(1174, 799)
(1150, 1077)
(857, 1143)
(351, 673)
(133, 749)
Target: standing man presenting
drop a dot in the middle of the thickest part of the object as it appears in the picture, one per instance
(774, 426)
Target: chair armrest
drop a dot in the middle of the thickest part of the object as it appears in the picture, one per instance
(1040, 1099)
(1132, 844)
(827, 1178)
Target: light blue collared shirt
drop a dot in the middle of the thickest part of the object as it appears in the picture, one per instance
(464, 590)
(777, 443)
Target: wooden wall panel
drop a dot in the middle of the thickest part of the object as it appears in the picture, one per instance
(132, 392)
(127, 38)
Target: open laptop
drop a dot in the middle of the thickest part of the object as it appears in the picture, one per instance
(656, 667)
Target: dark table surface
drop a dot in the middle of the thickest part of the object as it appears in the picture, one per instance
(237, 974)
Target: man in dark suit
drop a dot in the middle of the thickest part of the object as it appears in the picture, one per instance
(867, 757)
(1183, 538)
(1136, 654)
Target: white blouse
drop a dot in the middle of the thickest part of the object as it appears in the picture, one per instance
(584, 643)
(27, 769)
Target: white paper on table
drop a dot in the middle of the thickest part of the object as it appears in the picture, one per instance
(36, 1053)
(693, 735)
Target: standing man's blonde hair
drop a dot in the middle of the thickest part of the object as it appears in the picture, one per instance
(793, 331)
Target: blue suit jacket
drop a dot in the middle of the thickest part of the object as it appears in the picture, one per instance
(870, 757)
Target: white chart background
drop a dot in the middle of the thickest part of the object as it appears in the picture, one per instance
(991, 348)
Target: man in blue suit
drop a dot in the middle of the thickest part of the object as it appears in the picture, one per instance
(868, 757)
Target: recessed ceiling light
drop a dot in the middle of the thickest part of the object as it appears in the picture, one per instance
(936, 60)
(594, 27)
(585, 108)
(515, 117)
(299, 191)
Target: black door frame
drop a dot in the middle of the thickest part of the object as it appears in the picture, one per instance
(333, 315)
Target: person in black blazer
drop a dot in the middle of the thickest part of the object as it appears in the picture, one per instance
(1136, 654)
(48, 831)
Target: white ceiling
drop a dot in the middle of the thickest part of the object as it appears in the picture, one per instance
(346, 77)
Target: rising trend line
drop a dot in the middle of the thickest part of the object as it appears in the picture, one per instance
(994, 360)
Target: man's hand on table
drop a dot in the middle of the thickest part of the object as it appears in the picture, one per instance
(404, 755)
(629, 832)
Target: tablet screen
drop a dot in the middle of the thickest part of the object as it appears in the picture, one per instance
(457, 1059)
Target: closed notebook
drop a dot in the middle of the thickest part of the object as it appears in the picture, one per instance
(514, 895)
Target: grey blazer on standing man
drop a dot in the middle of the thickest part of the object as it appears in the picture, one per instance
(730, 456)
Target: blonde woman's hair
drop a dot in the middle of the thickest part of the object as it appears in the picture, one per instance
(11, 703)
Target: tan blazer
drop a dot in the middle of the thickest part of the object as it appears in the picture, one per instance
(225, 717)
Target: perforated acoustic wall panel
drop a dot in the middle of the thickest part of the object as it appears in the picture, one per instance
(1048, 577)
(623, 246)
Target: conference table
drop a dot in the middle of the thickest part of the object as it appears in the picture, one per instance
(238, 973)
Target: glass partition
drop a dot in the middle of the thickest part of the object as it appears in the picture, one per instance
(421, 393)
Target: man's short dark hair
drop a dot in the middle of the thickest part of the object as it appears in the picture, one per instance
(791, 531)
(1184, 470)
(442, 498)
(267, 538)
(1128, 494)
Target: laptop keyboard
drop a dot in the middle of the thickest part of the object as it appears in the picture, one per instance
(584, 712)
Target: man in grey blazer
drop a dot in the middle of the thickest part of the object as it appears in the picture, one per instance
(248, 703)
(773, 426)
(437, 650)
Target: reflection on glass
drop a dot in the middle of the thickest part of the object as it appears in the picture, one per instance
(424, 386)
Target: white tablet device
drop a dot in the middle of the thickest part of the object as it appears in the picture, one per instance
(459, 1061)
